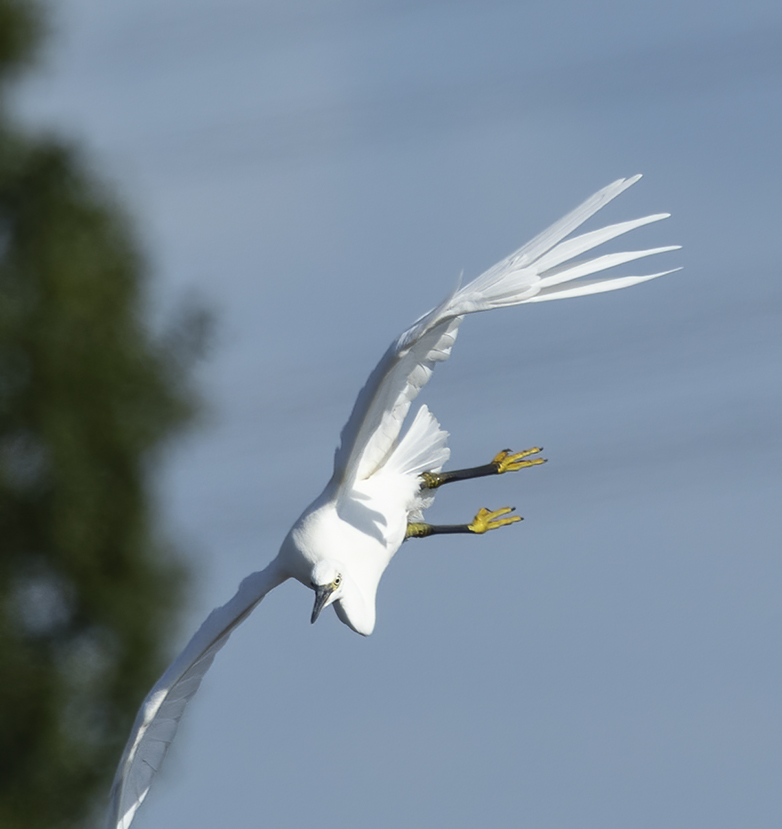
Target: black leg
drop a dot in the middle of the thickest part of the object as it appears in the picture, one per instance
(505, 461)
(484, 521)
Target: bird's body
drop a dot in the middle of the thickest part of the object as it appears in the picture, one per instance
(383, 480)
(357, 531)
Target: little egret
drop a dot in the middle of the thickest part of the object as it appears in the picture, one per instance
(382, 483)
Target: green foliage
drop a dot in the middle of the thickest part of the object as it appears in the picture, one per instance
(86, 398)
(20, 29)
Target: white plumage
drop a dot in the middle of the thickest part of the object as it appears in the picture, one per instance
(344, 541)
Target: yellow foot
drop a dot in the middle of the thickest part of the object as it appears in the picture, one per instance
(486, 520)
(507, 462)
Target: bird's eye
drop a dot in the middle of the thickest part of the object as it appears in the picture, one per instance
(337, 581)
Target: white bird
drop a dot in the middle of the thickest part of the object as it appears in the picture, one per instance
(343, 542)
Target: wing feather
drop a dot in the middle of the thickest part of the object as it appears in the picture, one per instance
(158, 718)
(536, 272)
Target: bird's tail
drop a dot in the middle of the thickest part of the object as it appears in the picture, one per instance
(424, 448)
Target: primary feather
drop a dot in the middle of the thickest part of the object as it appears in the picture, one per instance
(161, 711)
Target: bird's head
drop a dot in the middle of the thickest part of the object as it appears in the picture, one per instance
(327, 581)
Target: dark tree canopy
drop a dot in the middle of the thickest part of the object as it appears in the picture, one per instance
(86, 397)
(20, 30)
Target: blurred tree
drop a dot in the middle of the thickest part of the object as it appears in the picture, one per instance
(86, 396)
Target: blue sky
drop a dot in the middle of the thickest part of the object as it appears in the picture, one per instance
(320, 175)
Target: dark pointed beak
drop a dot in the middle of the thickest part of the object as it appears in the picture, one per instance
(322, 595)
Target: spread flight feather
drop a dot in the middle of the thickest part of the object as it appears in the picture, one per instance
(532, 273)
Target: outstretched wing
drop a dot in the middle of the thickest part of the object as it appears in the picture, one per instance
(158, 718)
(541, 270)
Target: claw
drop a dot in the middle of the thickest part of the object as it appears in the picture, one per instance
(505, 461)
(486, 520)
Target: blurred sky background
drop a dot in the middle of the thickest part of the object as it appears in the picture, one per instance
(320, 174)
